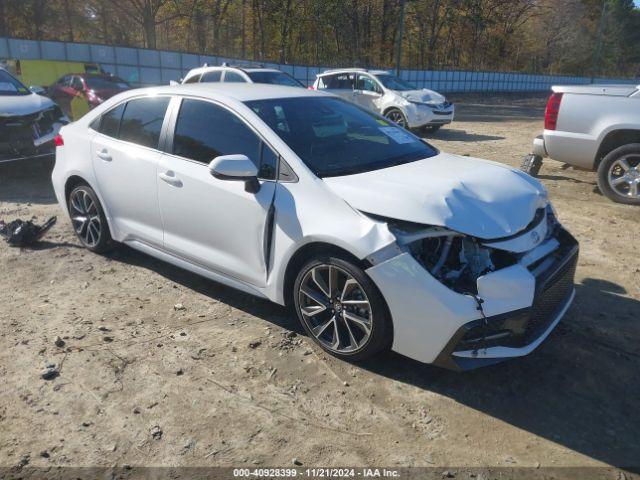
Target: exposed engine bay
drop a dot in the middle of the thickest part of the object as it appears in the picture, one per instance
(455, 259)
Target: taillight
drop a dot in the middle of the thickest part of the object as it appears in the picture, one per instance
(551, 113)
(58, 141)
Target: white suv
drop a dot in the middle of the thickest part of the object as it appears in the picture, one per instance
(240, 74)
(384, 93)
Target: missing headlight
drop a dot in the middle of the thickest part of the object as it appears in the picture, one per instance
(454, 259)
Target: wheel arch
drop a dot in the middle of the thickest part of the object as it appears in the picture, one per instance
(307, 251)
(74, 181)
(615, 139)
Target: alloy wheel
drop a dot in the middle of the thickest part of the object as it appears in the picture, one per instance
(397, 117)
(85, 218)
(335, 308)
(624, 176)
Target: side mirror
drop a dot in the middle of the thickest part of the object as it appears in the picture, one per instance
(238, 168)
(37, 89)
(174, 82)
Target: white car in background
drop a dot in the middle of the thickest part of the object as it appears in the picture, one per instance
(374, 237)
(388, 95)
(240, 74)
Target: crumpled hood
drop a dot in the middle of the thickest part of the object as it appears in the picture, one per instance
(11, 106)
(423, 96)
(483, 199)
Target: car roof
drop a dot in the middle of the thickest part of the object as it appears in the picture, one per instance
(241, 92)
(352, 70)
(211, 68)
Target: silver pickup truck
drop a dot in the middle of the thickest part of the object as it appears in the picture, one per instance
(596, 127)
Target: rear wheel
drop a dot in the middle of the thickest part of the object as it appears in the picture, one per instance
(396, 115)
(341, 308)
(619, 174)
(88, 219)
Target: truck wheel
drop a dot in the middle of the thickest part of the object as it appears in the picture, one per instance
(619, 174)
(531, 164)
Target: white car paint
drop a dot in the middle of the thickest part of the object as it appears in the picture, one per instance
(421, 107)
(217, 229)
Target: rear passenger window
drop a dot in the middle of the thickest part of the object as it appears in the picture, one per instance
(142, 121)
(230, 76)
(110, 121)
(205, 131)
(340, 81)
(211, 76)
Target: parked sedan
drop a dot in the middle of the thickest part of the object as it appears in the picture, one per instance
(374, 237)
(384, 93)
(28, 121)
(78, 93)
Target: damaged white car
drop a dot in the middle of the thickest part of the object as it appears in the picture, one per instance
(28, 121)
(375, 238)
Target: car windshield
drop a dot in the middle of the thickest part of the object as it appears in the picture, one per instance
(394, 83)
(11, 86)
(274, 78)
(106, 83)
(334, 137)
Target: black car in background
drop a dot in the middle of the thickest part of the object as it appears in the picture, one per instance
(28, 122)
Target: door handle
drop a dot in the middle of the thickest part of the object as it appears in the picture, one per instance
(170, 178)
(104, 155)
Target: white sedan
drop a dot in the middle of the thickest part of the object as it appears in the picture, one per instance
(374, 237)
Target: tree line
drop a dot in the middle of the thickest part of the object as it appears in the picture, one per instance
(580, 37)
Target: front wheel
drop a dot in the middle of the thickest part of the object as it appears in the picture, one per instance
(396, 116)
(619, 174)
(89, 220)
(341, 309)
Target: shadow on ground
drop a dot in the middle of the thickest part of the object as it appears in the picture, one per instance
(471, 112)
(27, 181)
(579, 389)
(454, 135)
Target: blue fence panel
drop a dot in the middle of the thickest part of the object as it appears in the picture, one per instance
(103, 54)
(78, 52)
(24, 49)
(53, 51)
(144, 66)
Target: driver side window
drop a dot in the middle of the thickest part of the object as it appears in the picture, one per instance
(205, 131)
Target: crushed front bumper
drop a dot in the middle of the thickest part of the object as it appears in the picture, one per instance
(24, 137)
(423, 115)
(434, 324)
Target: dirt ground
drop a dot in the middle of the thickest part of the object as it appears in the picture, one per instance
(161, 367)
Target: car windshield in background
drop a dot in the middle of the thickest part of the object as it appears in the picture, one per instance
(274, 78)
(394, 83)
(106, 83)
(334, 137)
(10, 86)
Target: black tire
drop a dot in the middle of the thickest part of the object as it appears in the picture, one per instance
(531, 164)
(610, 170)
(381, 330)
(91, 237)
(396, 116)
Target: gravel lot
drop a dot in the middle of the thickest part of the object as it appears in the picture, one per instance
(161, 367)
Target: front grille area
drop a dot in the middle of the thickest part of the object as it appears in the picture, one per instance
(554, 286)
(551, 297)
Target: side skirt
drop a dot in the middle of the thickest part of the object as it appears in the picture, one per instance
(161, 254)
